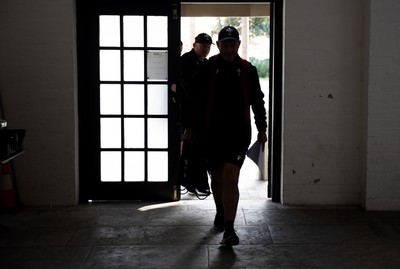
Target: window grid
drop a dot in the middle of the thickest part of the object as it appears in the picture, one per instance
(122, 116)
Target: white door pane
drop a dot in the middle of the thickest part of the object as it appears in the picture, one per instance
(134, 166)
(133, 31)
(158, 166)
(109, 31)
(130, 98)
(133, 65)
(110, 99)
(133, 99)
(110, 166)
(110, 69)
(157, 100)
(134, 133)
(157, 133)
(157, 31)
(110, 133)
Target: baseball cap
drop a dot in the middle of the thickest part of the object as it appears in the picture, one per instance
(203, 38)
(228, 32)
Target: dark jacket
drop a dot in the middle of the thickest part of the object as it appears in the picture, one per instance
(189, 64)
(218, 110)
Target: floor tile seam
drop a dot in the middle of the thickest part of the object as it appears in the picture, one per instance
(244, 216)
(346, 244)
(288, 223)
(22, 227)
(190, 225)
(284, 208)
(83, 226)
(320, 208)
(149, 224)
(114, 225)
(163, 246)
(154, 225)
(45, 246)
(311, 245)
(75, 231)
(339, 243)
(314, 224)
(86, 257)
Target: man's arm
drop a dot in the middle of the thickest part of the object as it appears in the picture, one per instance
(258, 107)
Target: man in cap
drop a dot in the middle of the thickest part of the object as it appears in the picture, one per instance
(197, 55)
(195, 169)
(218, 117)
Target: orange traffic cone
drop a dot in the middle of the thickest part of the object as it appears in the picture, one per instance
(8, 198)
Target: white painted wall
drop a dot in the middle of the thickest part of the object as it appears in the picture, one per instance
(38, 86)
(341, 94)
(322, 102)
(341, 137)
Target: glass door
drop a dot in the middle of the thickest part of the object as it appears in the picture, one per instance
(128, 122)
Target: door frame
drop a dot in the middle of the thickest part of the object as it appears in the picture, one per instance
(275, 92)
(275, 101)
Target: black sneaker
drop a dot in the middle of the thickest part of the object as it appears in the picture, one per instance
(188, 189)
(219, 222)
(202, 193)
(230, 239)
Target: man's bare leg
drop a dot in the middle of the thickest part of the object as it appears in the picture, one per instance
(217, 189)
(230, 180)
(217, 186)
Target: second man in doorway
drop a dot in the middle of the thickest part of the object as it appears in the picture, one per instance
(195, 167)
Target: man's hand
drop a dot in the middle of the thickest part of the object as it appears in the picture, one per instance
(262, 138)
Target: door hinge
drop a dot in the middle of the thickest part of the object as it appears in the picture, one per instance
(174, 11)
(175, 193)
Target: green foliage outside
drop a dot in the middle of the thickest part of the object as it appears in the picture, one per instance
(262, 66)
(258, 26)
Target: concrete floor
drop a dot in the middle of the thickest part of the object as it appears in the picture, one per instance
(180, 235)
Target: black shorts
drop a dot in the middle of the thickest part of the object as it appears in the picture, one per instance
(217, 160)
